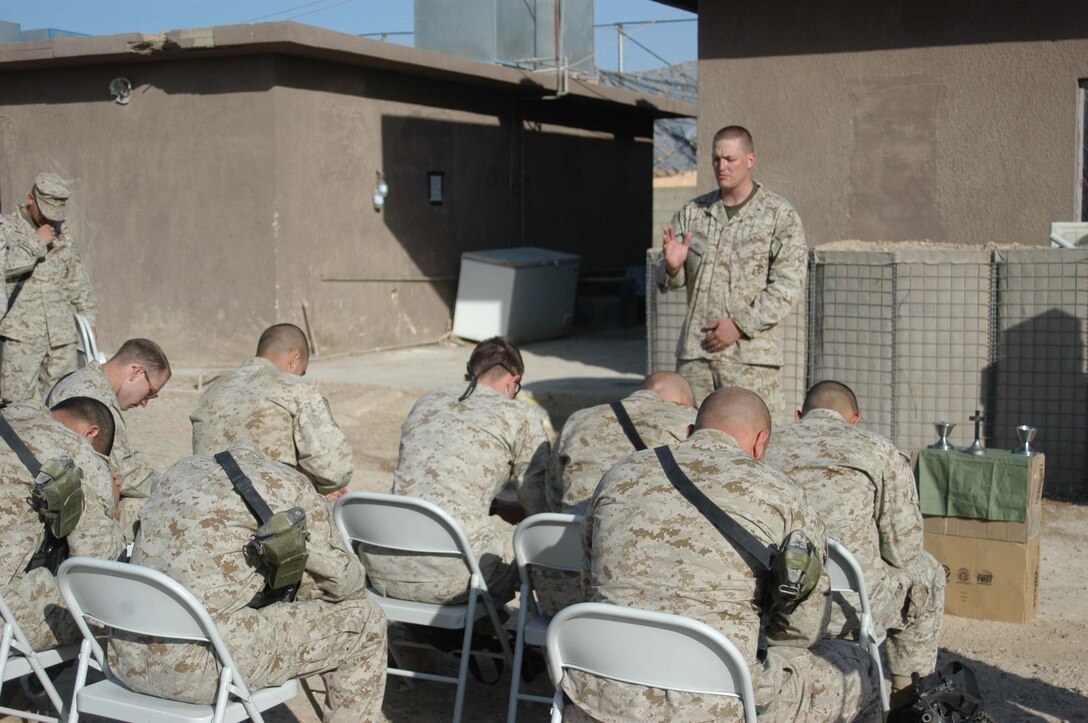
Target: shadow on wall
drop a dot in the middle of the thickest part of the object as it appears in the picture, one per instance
(845, 26)
(1038, 379)
(457, 187)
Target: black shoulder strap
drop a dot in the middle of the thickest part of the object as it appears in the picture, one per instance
(726, 525)
(25, 455)
(244, 487)
(628, 426)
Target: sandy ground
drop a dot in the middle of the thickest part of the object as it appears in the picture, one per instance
(1031, 672)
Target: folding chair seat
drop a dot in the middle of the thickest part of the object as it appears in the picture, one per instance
(143, 601)
(846, 576)
(395, 523)
(552, 541)
(18, 659)
(646, 648)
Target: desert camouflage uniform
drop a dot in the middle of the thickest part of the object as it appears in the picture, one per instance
(33, 596)
(38, 332)
(864, 491)
(590, 443)
(460, 455)
(136, 475)
(648, 547)
(755, 268)
(194, 529)
(282, 414)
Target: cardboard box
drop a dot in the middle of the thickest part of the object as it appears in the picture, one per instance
(988, 579)
(994, 530)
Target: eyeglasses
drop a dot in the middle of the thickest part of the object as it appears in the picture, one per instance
(151, 393)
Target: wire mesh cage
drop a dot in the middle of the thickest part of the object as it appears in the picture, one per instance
(934, 335)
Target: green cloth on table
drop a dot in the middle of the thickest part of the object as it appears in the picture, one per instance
(992, 486)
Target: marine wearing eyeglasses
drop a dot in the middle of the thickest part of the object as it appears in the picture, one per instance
(132, 377)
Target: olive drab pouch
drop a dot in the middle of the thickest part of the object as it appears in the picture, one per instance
(795, 571)
(280, 544)
(57, 495)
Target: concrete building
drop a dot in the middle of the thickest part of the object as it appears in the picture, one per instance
(236, 184)
(892, 120)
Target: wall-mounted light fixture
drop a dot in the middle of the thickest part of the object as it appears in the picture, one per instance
(381, 190)
(121, 90)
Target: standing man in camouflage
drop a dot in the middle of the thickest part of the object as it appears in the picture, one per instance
(740, 251)
(459, 448)
(864, 490)
(266, 401)
(647, 546)
(46, 284)
(131, 378)
(82, 430)
(594, 439)
(195, 528)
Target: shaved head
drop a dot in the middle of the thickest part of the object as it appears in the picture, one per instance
(88, 418)
(671, 387)
(831, 395)
(735, 133)
(741, 414)
(281, 339)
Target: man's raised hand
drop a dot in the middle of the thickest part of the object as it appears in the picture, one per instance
(676, 250)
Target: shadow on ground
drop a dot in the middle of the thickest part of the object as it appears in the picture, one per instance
(1010, 697)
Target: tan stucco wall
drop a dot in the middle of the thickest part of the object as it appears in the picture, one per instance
(170, 208)
(899, 120)
(231, 190)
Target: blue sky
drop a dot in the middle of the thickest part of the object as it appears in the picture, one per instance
(673, 42)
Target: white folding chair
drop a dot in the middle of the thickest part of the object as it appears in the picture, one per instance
(646, 648)
(395, 523)
(18, 658)
(547, 540)
(846, 576)
(86, 346)
(140, 600)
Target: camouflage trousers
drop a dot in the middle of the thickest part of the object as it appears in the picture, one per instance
(345, 642)
(832, 681)
(35, 601)
(556, 589)
(909, 608)
(30, 368)
(706, 376)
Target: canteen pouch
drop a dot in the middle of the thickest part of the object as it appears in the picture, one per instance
(280, 544)
(57, 496)
(795, 570)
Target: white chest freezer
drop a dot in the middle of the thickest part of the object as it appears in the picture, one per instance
(523, 294)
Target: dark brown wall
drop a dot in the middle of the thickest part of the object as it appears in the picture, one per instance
(231, 191)
(900, 120)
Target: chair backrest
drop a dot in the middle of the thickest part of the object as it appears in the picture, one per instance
(647, 648)
(550, 540)
(402, 524)
(845, 572)
(138, 600)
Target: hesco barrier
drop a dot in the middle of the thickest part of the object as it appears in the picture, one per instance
(927, 335)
